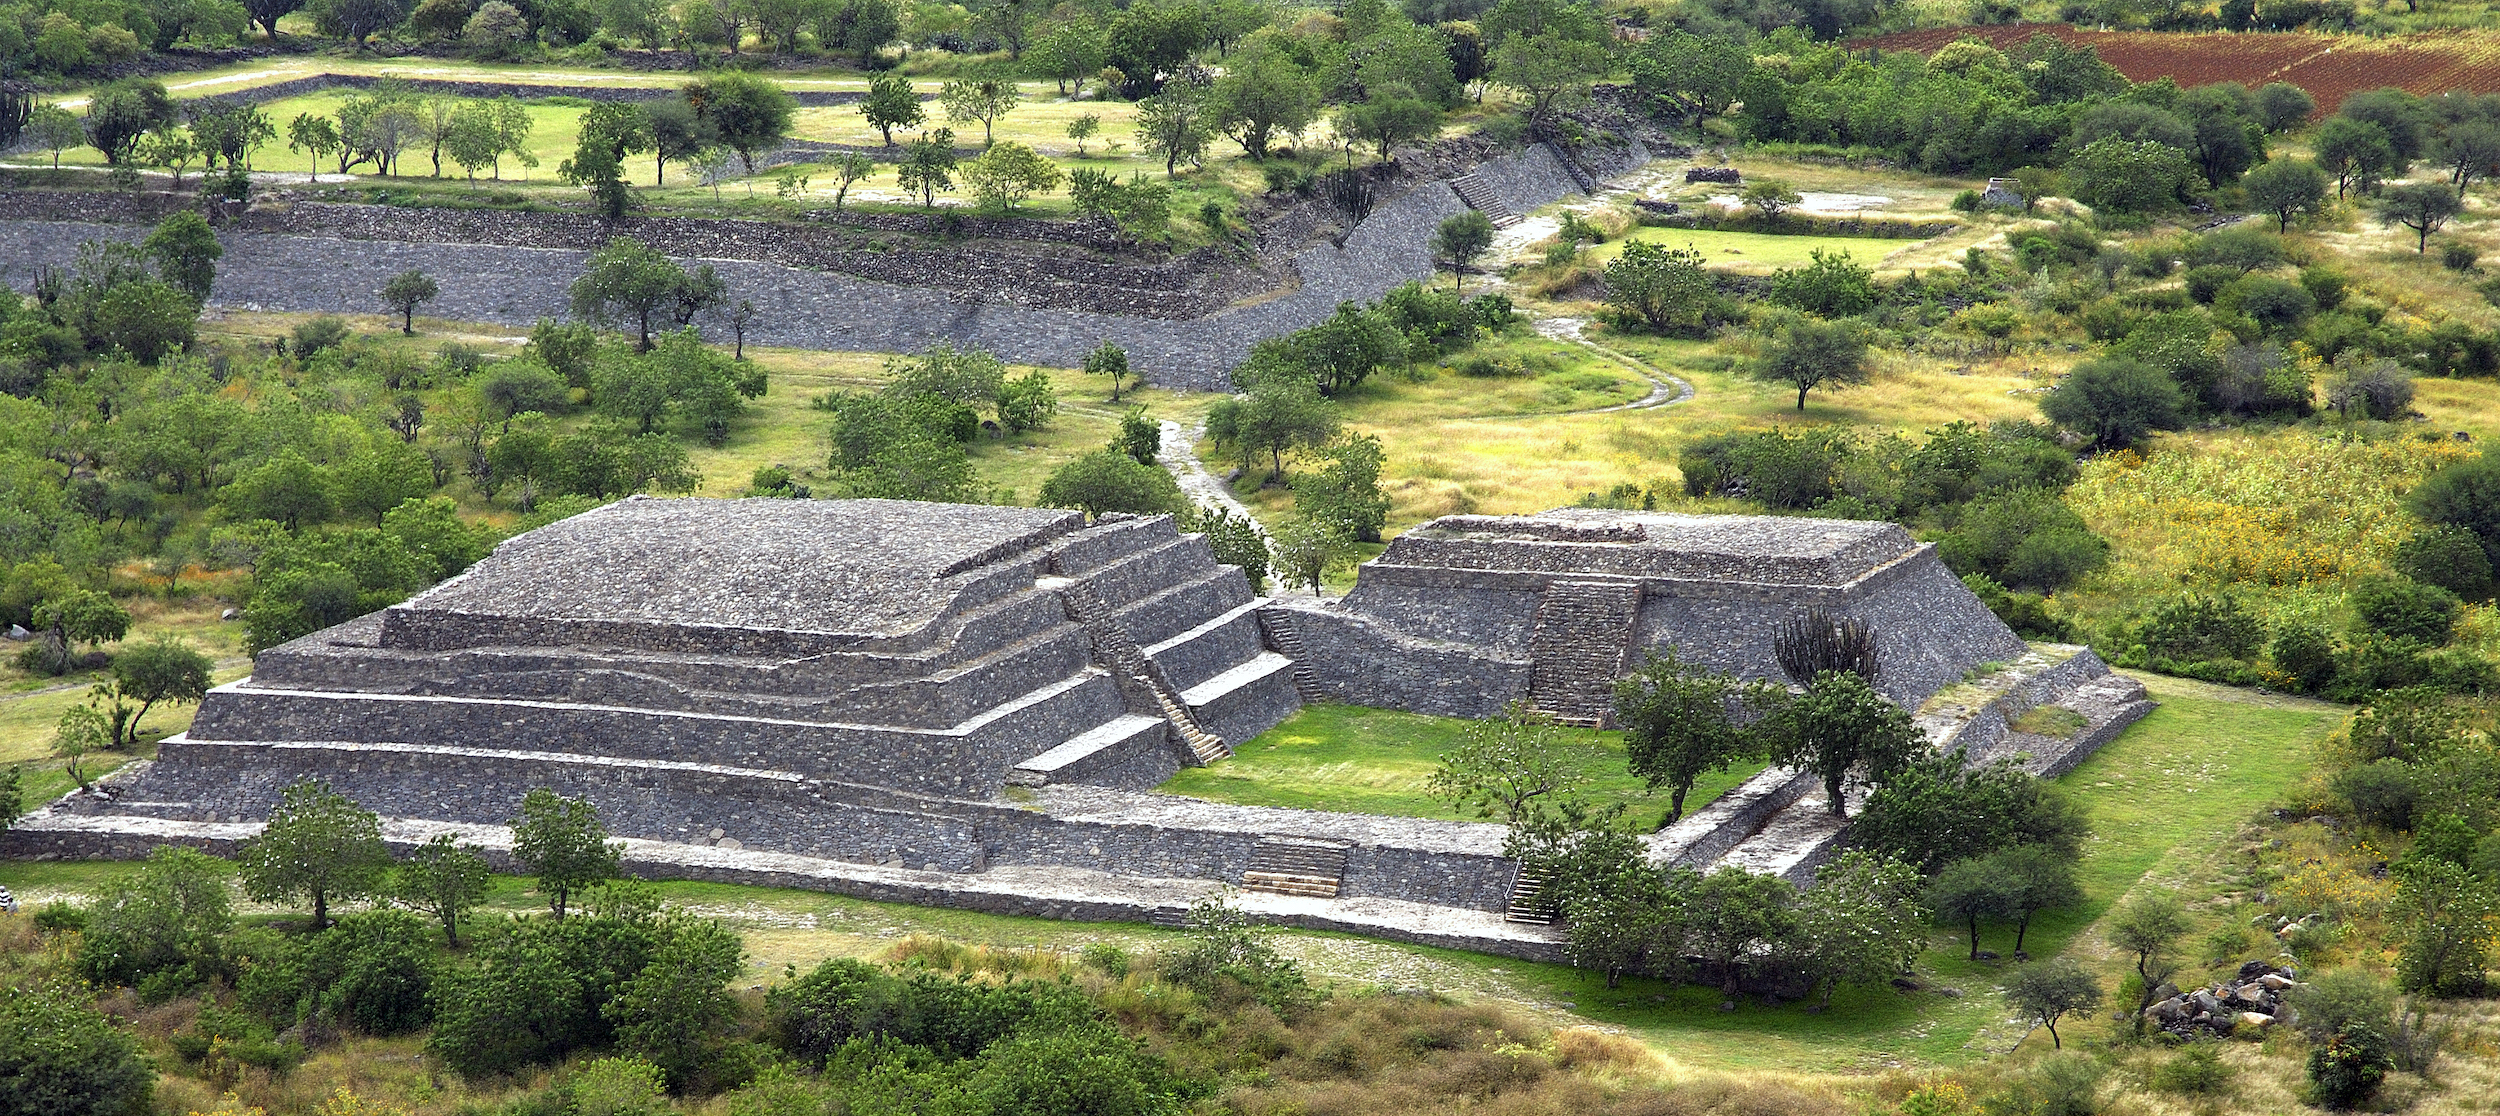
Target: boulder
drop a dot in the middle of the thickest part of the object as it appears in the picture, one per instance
(2252, 995)
(2277, 982)
(2205, 1001)
(2257, 1019)
(19, 635)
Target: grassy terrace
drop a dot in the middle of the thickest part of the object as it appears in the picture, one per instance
(1375, 761)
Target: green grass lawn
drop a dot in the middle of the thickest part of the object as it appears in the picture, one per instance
(1376, 761)
(1741, 251)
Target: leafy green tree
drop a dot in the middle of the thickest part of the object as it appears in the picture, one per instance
(1971, 889)
(2445, 911)
(385, 475)
(677, 1009)
(1839, 725)
(907, 448)
(1005, 173)
(847, 169)
(928, 165)
(1309, 550)
(1941, 807)
(172, 915)
(2148, 929)
(1176, 124)
(1345, 489)
(2130, 176)
(2283, 106)
(562, 842)
(1699, 74)
(59, 1056)
(1550, 69)
(2466, 496)
(892, 103)
(1664, 289)
(1235, 539)
(627, 280)
(160, 671)
(186, 252)
(1264, 94)
(1807, 354)
(2285, 188)
(54, 129)
(750, 113)
(1111, 481)
(82, 730)
(1859, 923)
(1833, 286)
(287, 489)
(71, 616)
(1459, 240)
(1027, 403)
(1279, 415)
(1393, 115)
(2044, 879)
(983, 100)
(2423, 207)
(2357, 153)
(119, 115)
(2047, 991)
(968, 375)
(1732, 913)
(609, 132)
(1503, 765)
(2348, 1069)
(2115, 400)
(405, 292)
(443, 880)
(13, 796)
(1108, 359)
(1141, 437)
(1679, 722)
(318, 845)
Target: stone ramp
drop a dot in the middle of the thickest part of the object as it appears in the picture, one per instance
(1583, 631)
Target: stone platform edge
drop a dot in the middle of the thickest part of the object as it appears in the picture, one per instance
(1068, 894)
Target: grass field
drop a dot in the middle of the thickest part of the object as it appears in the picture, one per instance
(1749, 251)
(2167, 799)
(1376, 761)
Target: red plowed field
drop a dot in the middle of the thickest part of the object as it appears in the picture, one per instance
(2330, 67)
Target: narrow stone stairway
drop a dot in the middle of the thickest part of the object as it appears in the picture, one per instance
(1286, 639)
(1583, 630)
(1129, 663)
(1480, 197)
(1528, 901)
(1286, 866)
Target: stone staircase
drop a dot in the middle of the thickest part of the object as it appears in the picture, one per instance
(1129, 663)
(1579, 175)
(1480, 197)
(1583, 630)
(1287, 866)
(1285, 639)
(1528, 902)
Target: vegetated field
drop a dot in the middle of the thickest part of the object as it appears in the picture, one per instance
(2330, 67)
(1376, 761)
(2166, 798)
(1750, 251)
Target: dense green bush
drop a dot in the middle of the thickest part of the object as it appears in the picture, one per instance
(1774, 467)
(61, 1057)
(2348, 1069)
(2401, 608)
(2449, 557)
(2383, 793)
(2025, 539)
(2195, 626)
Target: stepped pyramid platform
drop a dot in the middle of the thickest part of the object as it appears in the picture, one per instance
(971, 705)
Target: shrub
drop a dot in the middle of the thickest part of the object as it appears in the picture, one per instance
(2115, 401)
(2347, 1071)
(2196, 627)
(2458, 256)
(2383, 793)
(2401, 608)
(2449, 557)
(2305, 654)
(2205, 284)
(2275, 304)
(1112, 481)
(326, 331)
(618, 1087)
(2197, 1070)
(2058, 1085)
(1777, 468)
(2025, 539)
(2337, 999)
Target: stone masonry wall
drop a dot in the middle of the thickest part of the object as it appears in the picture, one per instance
(515, 286)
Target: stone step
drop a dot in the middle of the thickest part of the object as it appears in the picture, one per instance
(1528, 903)
(1480, 197)
(1211, 648)
(1583, 631)
(1284, 635)
(1097, 753)
(1246, 700)
(1169, 918)
(1286, 866)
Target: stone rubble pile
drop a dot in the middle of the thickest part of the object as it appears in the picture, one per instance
(2253, 998)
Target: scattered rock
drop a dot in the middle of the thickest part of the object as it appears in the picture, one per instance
(230, 614)
(1726, 175)
(20, 635)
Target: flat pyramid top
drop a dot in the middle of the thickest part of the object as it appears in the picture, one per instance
(865, 567)
(1757, 548)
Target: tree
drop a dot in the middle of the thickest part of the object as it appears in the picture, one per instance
(1808, 354)
(678, 1006)
(1679, 721)
(1027, 403)
(2445, 911)
(1108, 359)
(2283, 106)
(1839, 724)
(562, 842)
(1941, 807)
(1770, 197)
(1732, 913)
(1142, 439)
(1083, 128)
(749, 113)
(1551, 69)
(1308, 550)
(443, 880)
(1503, 765)
(1664, 288)
(172, 915)
(1971, 889)
(122, 113)
(2149, 927)
(161, 670)
(1005, 173)
(847, 168)
(968, 375)
(1278, 415)
(318, 845)
(928, 165)
(2356, 152)
(358, 20)
(1176, 124)
(2048, 991)
(892, 103)
(55, 130)
(473, 140)
(186, 252)
(2115, 400)
(1392, 116)
(2470, 149)
(626, 281)
(1110, 481)
(61, 1057)
(1859, 923)
(82, 729)
(73, 616)
(983, 100)
(2420, 206)
(1699, 74)
(609, 133)
(2130, 176)
(2044, 880)
(1460, 239)
(2286, 188)
(678, 132)
(1263, 94)
(168, 147)
(405, 292)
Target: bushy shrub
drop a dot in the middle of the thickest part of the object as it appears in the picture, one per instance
(61, 1057)
(2024, 539)
(2196, 626)
(2304, 653)
(2348, 1070)
(2401, 608)
(2383, 793)
(2197, 1070)
(2449, 557)
(2459, 256)
(1774, 467)
(2064, 1084)
(2205, 284)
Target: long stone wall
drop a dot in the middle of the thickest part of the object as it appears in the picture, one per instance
(515, 286)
